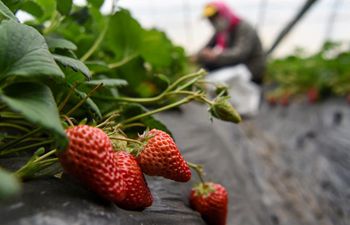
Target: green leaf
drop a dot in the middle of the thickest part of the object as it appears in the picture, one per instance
(96, 3)
(75, 64)
(156, 48)
(24, 52)
(33, 9)
(37, 104)
(64, 6)
(48, 6)
(61, 43)
(108, 82)
(6, 12)
(9, 185)
(13, 5)
(123, 35)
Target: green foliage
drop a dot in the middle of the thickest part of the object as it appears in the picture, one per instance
(326, 71)
(71, 64)
(6, 13)
(36, 103)
(24, 52)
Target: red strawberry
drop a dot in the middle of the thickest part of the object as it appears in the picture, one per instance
(312, 95)
(284, 100)
(90, 159)
(161, 157)
(348, 98)
(138, 196)
(210, 200)
(271, 100)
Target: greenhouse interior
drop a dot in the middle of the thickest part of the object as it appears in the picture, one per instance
(153, 112)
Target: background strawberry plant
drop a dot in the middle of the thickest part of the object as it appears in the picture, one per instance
(316, 76)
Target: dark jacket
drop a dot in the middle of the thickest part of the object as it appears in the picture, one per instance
(244, 47)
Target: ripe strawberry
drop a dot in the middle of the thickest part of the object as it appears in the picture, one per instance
(90, 159)
(161, 157)
(210, 200)
(284, 100)
(271, 100)
(138, 196)
(348, 98)
(312, 95)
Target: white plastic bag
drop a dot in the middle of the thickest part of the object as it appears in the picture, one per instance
(245, 95)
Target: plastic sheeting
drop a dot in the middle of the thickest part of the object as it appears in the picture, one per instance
(287, 166)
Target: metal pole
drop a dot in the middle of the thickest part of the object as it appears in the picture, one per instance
(307, 5)
(331, 20)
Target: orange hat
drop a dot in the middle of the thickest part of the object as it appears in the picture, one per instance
(210, 10)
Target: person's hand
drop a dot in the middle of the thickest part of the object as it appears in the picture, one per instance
(208, 54)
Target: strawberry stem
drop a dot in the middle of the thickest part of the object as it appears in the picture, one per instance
(198, 169)
(126, 139)
(167, 91)
(70, 122)
(65, 100)
(111, 117)
(19, 140)
(175, 104)
(9, 151)
(83, 100)
(18, 127)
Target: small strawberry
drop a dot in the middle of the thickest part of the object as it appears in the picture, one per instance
(271, 100)
(210, 200)
(284, 100)
(348, 98)
(90, 159)
(161, 157)
(313, 95)
(138, 196)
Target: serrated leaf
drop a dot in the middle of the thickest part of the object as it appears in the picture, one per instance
(64, 6)
(108, 82)
(75, 64)
(6, 12)
(123, 35)
(37, 104)
(9, 185)
(24, 52)
(61, 43)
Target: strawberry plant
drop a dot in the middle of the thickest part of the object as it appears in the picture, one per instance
(77, 88)
(320, 75)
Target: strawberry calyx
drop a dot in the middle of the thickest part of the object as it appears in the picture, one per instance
(204, 189)
(143, 140)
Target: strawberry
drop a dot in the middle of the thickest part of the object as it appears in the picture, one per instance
(284, 100)
(90, 159)
(161, 157)
(210, 200)
(138, 196)
(271, 100)
(312, 95)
